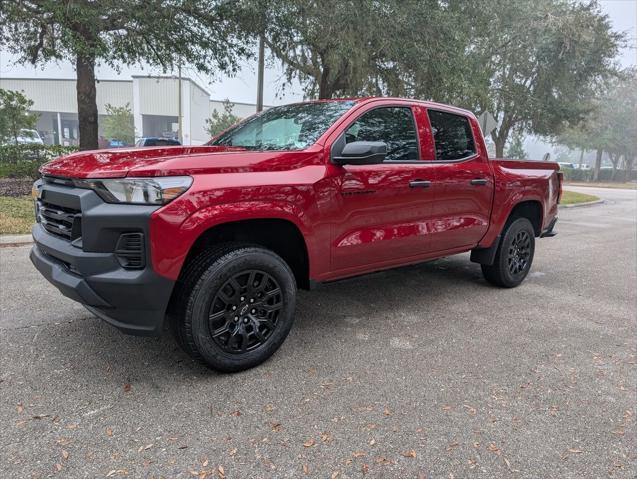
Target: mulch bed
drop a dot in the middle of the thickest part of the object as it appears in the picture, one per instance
(15, 186)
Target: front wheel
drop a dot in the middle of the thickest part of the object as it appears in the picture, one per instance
(514, 256)
(237, 307)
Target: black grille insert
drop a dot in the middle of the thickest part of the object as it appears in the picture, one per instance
(59, 220)
(130, 250)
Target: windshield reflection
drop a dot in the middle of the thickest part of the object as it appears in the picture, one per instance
(288, 127)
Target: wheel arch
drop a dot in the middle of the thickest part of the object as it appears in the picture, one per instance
(281, 236)
(529, 209)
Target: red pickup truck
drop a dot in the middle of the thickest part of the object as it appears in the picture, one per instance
(218, 238)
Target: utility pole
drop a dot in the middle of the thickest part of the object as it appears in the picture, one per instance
(179, 132)
(260, 73)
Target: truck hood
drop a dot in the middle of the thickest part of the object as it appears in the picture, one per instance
(152, 161)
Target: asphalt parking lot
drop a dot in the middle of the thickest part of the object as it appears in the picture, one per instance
(424, 371)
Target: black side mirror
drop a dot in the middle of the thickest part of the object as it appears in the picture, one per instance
(361, 153)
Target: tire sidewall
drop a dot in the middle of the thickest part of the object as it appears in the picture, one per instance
(521, 224)
(210, 283)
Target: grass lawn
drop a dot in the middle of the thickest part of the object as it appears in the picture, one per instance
(16, 215)
(572, 198)
(626, 186)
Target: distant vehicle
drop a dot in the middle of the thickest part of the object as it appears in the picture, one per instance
(114, 143)
(566, 165)
(28, 137)
(154, 141)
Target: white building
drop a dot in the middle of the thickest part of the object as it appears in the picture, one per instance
(153, 101)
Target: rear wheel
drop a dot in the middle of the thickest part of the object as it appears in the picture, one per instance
(236, 306)
(514, 256)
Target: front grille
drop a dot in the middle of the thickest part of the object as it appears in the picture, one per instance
(59, 220)
(130, 250)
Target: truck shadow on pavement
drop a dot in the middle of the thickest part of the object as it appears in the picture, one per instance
(333, 310)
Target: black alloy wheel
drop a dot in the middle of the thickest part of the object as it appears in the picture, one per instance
(245, 311)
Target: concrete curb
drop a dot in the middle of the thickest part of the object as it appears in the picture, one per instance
(588, 203)
(7, 241)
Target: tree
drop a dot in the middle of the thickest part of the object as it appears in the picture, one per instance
(365, 47)
(516, 148)
(119, 123)
(15, 115)
(200, 33)
(219, 122)
(610, 126)
(544, 60)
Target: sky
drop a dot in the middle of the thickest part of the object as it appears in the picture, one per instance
(242, 87)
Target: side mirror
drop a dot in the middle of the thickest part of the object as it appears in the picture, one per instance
(361, 153)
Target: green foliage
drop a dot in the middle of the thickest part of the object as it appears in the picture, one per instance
(364, 47)
(202, 34)
(610, 126)
(23, 161)
(516, 148)
(219, 122)
(119, 124)
(14, 115)
(542, 62)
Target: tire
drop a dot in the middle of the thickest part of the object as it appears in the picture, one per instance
(234, 306)
(514, 256)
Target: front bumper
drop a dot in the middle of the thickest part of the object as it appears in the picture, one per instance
(88, 271)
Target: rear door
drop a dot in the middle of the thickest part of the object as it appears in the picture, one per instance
(463, 181)
(382, 209)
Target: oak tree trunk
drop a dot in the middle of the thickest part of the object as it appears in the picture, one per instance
(86, 102)
(326, 89)
(598, 164)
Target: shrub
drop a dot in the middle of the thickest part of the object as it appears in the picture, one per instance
(23, 161)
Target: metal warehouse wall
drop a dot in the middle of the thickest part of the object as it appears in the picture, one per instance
(53, 95)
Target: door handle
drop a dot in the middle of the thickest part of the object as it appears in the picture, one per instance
(479, 182)
(420, 184)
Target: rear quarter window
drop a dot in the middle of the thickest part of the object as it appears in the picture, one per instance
(452, 134)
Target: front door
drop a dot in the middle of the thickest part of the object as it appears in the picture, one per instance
(383, 209)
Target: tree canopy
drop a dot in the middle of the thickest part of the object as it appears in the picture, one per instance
(200, 33)
(14, 115)
(119, 124)
(219, 122)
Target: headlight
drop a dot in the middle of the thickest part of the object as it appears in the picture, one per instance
(141, 191)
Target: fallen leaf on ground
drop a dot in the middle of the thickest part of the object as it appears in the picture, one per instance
(309, 443)
(127, 387)
(575, 451)
(359, 453)
(364, 469)
(452, 445)
(221, 472)
(65, 454)
(410, 453)
(387, 412)
(236, 413)
(335, 474)
(306, 469)
(109, 432)
(326, 436)
(19, 408)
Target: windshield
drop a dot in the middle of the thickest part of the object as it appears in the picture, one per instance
(289, 127)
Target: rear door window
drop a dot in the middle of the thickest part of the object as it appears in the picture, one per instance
(452, 136)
